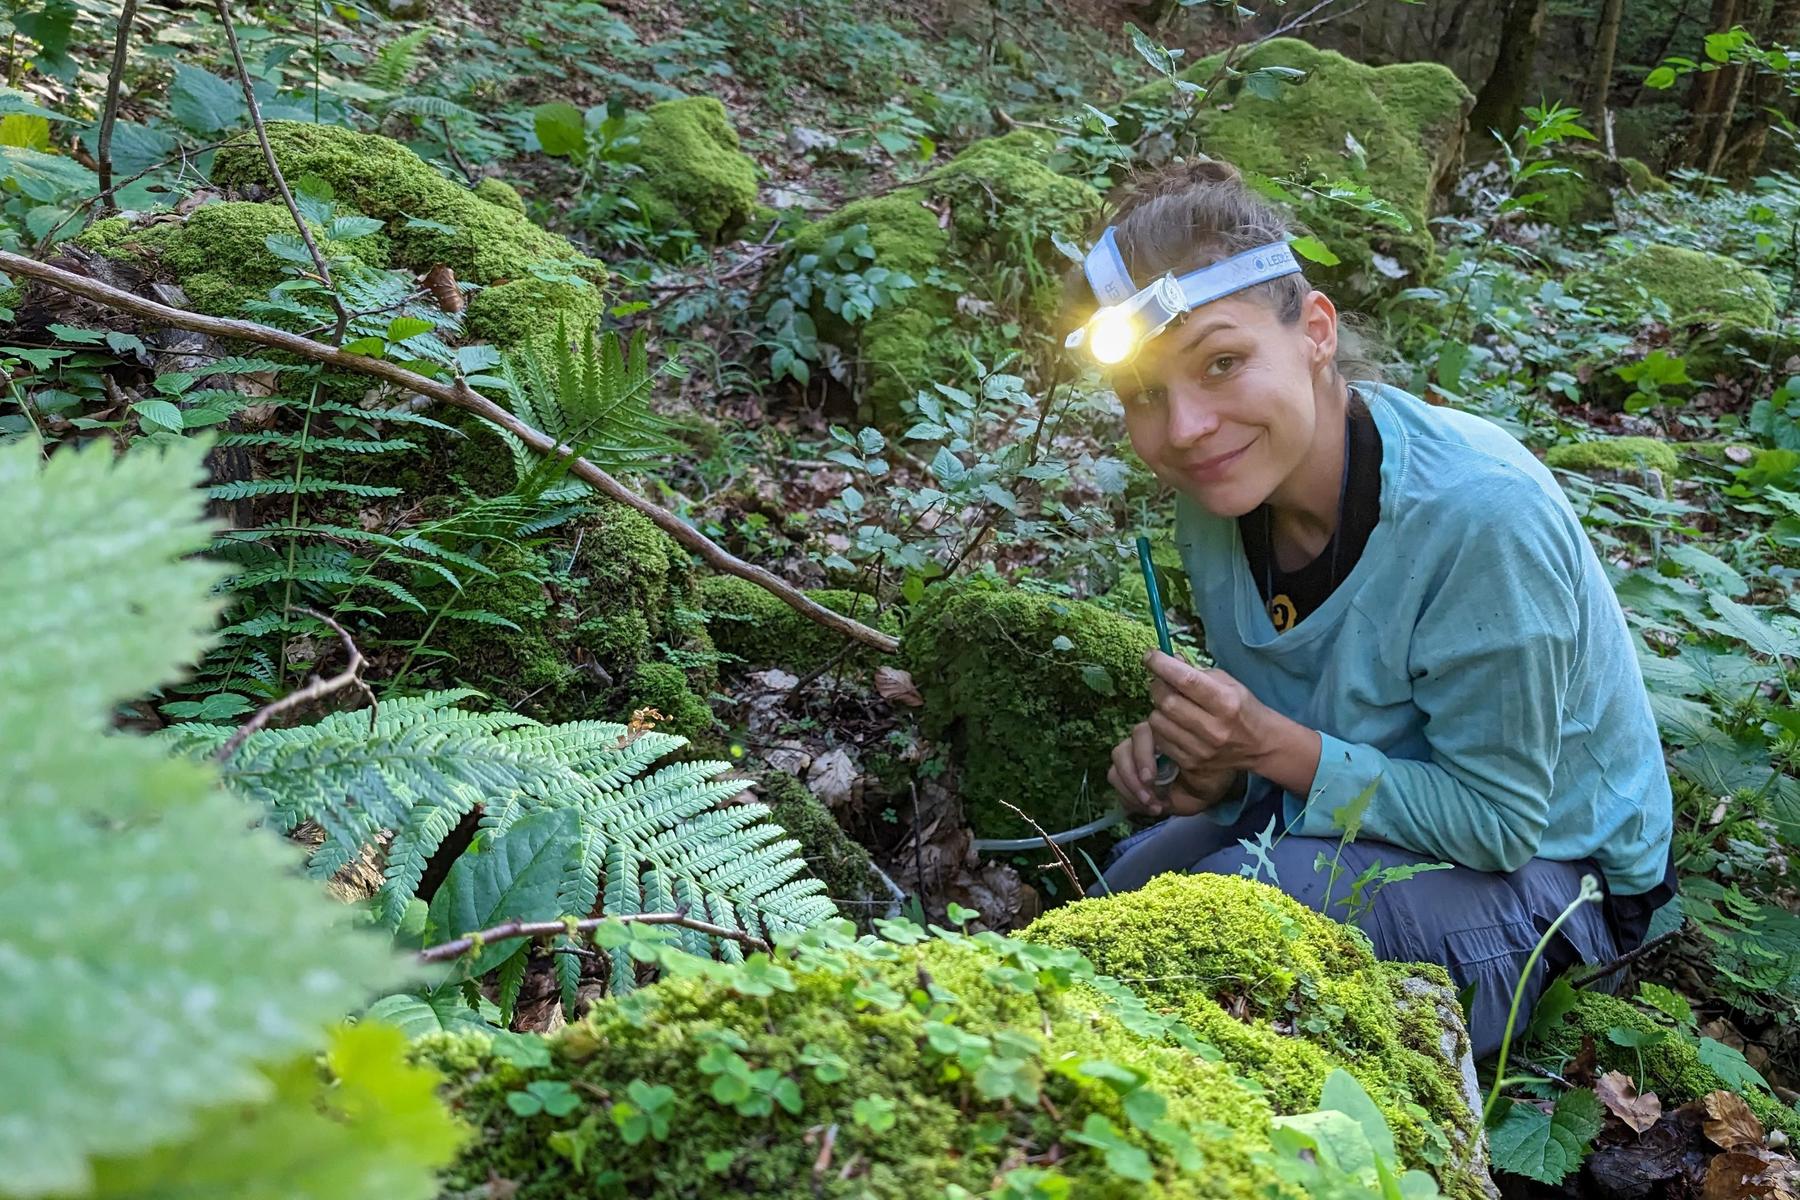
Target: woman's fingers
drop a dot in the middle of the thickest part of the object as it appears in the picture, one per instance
(1189, 749)
(1128, 780)
(1143, 753)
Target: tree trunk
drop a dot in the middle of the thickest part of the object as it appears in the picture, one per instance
(1743, 158)
(1497, 107)
(1706, 92)
(1606, 42)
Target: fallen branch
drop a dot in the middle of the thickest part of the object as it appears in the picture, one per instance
(350, 675)
(457, 394)
(1594, 975)
(530, 929)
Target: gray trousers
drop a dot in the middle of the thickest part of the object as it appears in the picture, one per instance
(1479, 925)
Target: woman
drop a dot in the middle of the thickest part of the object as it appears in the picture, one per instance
(1410, 629)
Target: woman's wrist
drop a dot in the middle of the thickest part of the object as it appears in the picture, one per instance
(1289, 757)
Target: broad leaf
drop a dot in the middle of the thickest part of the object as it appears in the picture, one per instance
(1545, 1146)
(513, 877)
(205, 103)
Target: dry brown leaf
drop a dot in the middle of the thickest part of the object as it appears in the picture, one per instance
(1581, 1068)
(897, 685)
(441, 282)
(833, 778)
(1620, 1095)
(1749, 1175)
(1730, 1124)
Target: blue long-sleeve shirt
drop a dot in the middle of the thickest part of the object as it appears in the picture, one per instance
(1474, 666)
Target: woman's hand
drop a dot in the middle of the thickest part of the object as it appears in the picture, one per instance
(1133, 777)
(1211, 724)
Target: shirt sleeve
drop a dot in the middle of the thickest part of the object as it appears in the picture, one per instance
(1491, 658)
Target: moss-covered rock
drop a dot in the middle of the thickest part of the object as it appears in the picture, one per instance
(1285, 994)
(1585, 190)
(917, 1068)
(695, 177)
(498, 191)
(831, 854)
(218, 255)
(1698, 286)
(1670, 1067)
(1033, 692)
(589, 636)
(758, 628)
(1408, 117)
(378, 177)
(1614, 454)
(1001, 197)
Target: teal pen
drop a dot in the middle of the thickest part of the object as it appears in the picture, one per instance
(1166, 770)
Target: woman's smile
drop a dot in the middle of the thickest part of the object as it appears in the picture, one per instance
(1211, 470)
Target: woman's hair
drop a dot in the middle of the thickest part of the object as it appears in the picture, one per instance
(1193, 214)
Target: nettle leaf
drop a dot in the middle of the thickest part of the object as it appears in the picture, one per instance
(1547, 1146)
(122, 1022)
(442, 1010)
(514, 877)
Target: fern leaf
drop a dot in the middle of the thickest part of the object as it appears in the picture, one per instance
(395, 60)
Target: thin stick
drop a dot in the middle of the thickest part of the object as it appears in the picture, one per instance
(114, 78)
(1596, 974)
(458, 394)
(349, 676)
(262, 139)
(1061, 858)
(518, 929)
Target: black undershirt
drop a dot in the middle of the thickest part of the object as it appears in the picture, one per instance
(1291, 595)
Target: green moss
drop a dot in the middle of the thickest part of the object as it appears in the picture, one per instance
(1408, 117)
(695, 176)
(218, 254)
(1641, 178)
(1671, 1067)
(481, 241)
(1286, 994)
(1698, 286)
(754, 625)
(664, 687)
(498, 191)
(1001, 198)
(850, 1022)
(1033, 724)
(830, 853)
(1614, 454)
(585, 632)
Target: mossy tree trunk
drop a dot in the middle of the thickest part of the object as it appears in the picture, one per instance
(1781, 23)
(1606, 43)
(1497, 106)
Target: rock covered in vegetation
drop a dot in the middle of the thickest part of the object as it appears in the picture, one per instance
(1586, 189)
(497, 191)
(756, 627)
(1034, 692)
(1629, 455)
(917, 1066)
(695, 177)
(995, 205)
(1698, 286)
(1408, 119)
(1287, 996)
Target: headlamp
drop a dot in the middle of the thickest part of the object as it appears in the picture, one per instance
(1130, 316)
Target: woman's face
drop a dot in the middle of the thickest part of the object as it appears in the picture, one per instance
(1223, 405)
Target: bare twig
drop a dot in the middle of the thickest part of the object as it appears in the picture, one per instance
(530, 929)
(114, 79)
(458, 394)
(75, 210)
(1061, 858)
(262, 139)
(455, 157)
(1596, 974)
(350, 676)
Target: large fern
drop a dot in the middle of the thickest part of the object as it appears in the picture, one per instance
(647, 843)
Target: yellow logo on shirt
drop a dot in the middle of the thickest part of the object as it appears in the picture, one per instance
(1281, 613)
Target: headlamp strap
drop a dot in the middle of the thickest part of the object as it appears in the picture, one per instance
(1112, 283)
(1105, 270)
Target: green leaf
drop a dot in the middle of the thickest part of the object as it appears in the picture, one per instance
(372, 346)
(159, 414)
(1558, 1000)
(351, 227)
(1731, 1067)
(513, 877)
(1098, 678)
(1667, 1002)
(1313, 250)
(1660, 79)
(122, 1022)
(1543, 1146)
(204, 103)
(442, 1010)
(1342, 1093)
(561, 128)
(401, 328)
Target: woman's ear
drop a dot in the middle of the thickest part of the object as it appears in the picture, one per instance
(1319, 322)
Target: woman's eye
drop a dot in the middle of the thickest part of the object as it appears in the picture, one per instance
(1221, 365)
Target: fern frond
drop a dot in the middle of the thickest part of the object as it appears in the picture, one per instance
(395, 60)
(647, 842)
(433, 106)
(246, 489)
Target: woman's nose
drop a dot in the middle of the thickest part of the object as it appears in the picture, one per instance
(1190, 418)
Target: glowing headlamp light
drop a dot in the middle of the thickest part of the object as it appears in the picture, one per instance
(1130, 316)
